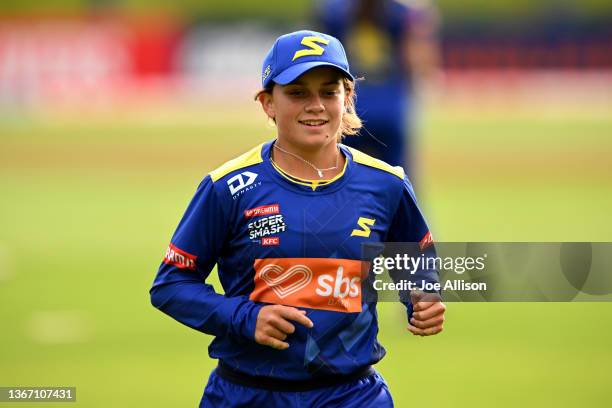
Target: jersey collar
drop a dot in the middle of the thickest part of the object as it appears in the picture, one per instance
(303, 185)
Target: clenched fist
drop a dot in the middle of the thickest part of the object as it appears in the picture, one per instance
(428, 314)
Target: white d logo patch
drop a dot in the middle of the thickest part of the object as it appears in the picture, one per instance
(238, 182)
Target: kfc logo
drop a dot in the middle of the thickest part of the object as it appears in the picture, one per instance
(271, 241)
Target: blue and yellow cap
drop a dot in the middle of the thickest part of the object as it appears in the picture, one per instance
(295, 53)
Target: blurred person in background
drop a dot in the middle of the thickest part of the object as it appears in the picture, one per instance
(393, 45)
(285, 223)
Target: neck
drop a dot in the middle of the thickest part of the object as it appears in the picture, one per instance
(295, 161)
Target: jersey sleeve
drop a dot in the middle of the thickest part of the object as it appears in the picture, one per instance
(409, 226)
(180, 289)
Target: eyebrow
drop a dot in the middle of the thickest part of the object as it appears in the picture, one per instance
(298, 82)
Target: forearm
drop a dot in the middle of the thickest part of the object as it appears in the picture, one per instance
(197, 305)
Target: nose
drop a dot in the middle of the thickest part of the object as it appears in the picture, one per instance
(314, 104)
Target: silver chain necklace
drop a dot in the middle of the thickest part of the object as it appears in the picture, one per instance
(318, 170)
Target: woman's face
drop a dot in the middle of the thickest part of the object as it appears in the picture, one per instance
(308, 111)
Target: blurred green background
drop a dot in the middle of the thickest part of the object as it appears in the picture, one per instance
(89, 204)
(91, 194)
(297, 9)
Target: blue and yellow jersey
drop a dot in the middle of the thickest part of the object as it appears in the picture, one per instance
(277, 239)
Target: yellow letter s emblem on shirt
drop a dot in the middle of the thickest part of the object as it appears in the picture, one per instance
(313, 47)
(364, 223)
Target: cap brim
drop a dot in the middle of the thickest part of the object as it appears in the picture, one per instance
(293, 72)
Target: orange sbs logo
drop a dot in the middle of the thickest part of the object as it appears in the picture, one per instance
(316, 283)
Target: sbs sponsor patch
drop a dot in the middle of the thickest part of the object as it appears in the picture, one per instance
(316, 283)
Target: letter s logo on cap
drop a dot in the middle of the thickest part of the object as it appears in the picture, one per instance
(314, 49)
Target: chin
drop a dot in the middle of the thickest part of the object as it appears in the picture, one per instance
(310, 140)
(315, 141)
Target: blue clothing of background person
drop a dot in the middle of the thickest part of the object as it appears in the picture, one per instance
(390, 44)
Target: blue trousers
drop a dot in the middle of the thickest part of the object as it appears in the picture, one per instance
(370, 391)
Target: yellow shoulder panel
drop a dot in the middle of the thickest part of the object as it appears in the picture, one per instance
(362, 158)
(249, 158)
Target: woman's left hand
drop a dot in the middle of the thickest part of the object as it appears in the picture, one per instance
(428, 314)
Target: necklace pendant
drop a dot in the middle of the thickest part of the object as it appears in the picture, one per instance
(320, 173)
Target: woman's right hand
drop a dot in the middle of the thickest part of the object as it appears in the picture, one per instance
(273, 325)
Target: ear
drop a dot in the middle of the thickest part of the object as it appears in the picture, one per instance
(267, 103)
(347, 97)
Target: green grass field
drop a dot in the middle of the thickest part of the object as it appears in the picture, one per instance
(89, 204)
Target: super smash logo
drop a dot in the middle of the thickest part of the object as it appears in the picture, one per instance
(266, 226)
